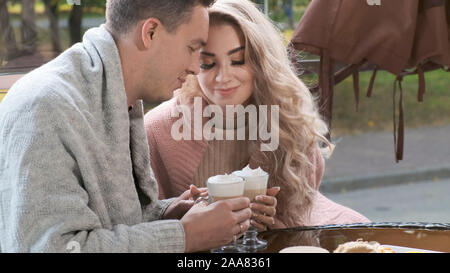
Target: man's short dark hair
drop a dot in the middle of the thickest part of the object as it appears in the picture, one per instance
(122, 15)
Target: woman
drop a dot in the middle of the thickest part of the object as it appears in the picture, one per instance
(245, 63)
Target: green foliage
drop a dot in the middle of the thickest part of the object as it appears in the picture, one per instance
(277, 13)
(95, 3)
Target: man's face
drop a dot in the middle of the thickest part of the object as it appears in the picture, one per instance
(177, 56)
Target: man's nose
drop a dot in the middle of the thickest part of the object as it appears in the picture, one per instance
(194, 68)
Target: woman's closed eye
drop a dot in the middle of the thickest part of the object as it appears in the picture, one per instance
(207, 66)
(241, 62)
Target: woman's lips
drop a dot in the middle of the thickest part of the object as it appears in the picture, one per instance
(227, 91)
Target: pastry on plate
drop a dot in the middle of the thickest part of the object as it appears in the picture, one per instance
(360, 246)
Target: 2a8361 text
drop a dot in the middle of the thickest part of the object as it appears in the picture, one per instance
(224, 262)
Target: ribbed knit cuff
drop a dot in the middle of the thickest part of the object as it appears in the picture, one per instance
(157, 212)
(171, 236)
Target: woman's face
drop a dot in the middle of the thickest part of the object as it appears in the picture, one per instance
(224, 76)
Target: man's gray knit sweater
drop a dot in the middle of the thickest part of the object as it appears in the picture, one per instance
(74, 163)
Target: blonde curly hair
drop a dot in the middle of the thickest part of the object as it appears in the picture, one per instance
(276, 83)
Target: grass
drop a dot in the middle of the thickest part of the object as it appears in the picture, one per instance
(376, 113)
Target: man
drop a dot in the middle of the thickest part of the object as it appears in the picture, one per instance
(74, 159)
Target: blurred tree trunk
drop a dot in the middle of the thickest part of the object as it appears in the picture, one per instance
(75, 20)
(8, 45)
(29, 34)
(51, 9)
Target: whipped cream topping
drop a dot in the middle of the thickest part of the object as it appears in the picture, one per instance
(254, 178)
(247, 171)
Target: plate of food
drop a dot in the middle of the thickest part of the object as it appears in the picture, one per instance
(360, 246)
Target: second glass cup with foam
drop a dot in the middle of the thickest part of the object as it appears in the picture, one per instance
(255, 184)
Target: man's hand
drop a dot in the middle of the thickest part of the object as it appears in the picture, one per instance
(214, 225)
(184, 202)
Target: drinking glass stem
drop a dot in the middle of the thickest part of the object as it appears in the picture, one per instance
(251, 233)
(250, 240)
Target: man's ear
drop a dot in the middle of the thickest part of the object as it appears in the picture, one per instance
(150, 31)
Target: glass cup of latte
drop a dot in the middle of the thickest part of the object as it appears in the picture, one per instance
(221, 187)
(255, 184)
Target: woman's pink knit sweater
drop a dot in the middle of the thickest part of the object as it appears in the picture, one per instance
(175, 163)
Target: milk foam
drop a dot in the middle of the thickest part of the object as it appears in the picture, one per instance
(225, 185)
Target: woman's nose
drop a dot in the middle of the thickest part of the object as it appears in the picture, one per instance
(223, 74)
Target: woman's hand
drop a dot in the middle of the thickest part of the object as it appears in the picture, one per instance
(178, 208)
(264, 209)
